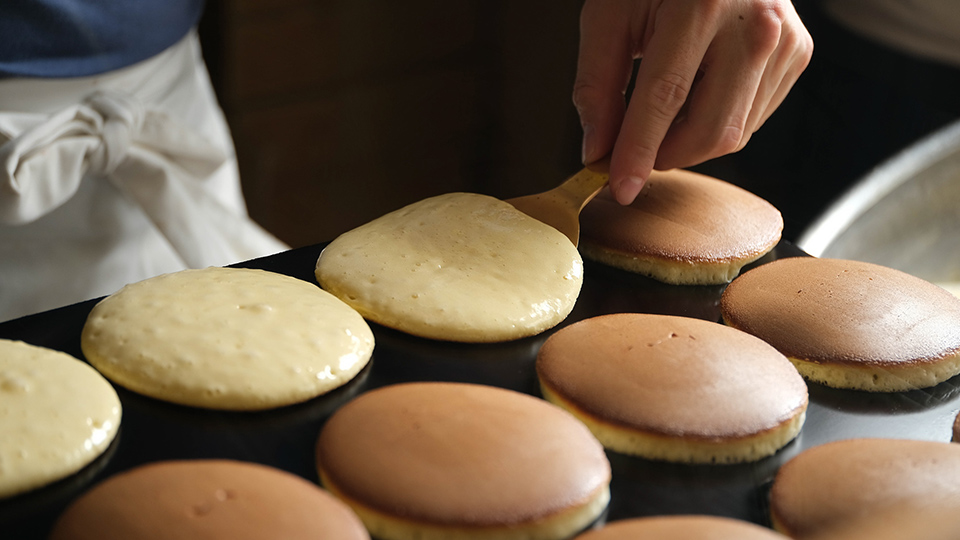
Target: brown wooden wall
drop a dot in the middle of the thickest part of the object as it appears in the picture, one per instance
(344, 110)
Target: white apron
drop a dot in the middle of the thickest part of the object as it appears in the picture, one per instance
(115, 178)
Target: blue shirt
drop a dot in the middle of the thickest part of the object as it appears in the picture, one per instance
(75, 38)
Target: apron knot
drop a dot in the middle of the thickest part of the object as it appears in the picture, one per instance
(118, 118)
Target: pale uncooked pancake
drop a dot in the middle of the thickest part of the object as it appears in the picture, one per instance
(674, 388)
(432, 461)
(683, 228)
(850, 324)
(208, 500)
(57, 414)
(227, 338)
(827, 485)
(682, 527)
(457, 267)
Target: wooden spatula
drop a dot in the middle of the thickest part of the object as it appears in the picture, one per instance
(560, 207)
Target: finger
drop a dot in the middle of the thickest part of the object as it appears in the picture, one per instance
(788, 62)
(604, 65)
(664, 78)
(803, 57)
(720, 108)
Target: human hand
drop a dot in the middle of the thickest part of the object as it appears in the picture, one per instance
(712, 72)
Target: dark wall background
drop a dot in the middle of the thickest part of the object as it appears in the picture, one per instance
(344, 110)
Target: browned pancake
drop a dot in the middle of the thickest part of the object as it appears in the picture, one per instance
(689, 527)
(683, 228)
(850, 324)
(827, 485)
(674, 388)
(441, 460)
(208, 500)
(927, 523)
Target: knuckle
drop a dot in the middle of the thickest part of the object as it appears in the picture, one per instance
(777, 10)
(797, 38)
(730, 140)
(800, 48)
(712, 141)
(765, 32)
(806, 48)
(667, 94)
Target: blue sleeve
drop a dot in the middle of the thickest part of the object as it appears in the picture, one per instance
(73, 38)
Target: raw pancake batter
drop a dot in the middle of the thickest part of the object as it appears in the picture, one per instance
(57, 414)
(227, 338)
(458, 267)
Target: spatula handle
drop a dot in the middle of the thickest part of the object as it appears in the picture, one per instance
(582, 187)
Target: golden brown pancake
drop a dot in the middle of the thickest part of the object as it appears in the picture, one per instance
(827, 485)
(850, 324)
(209, 500)
(452, 460)
(682, 527)
(927, 523)
(683, 228)
(674, 388)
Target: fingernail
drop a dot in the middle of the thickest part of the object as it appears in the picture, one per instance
(628, 189)
(587, 150)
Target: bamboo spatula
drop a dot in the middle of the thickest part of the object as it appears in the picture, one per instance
(560, 207)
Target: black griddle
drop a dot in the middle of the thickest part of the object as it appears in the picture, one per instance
(153, 430)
